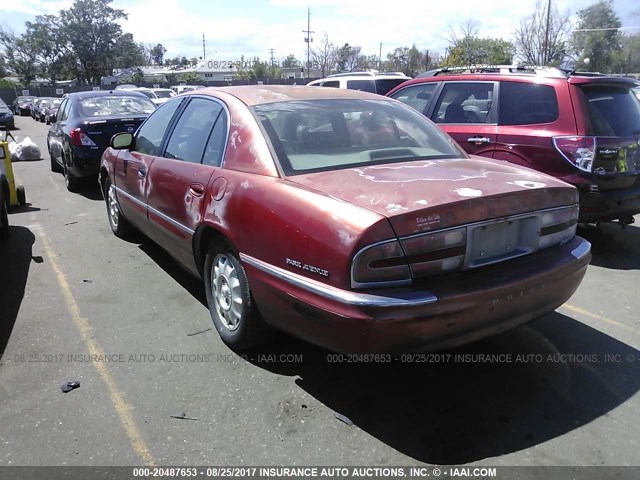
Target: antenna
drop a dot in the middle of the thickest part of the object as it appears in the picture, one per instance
(308, 39)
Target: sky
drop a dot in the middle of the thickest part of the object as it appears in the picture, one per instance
(250, 28)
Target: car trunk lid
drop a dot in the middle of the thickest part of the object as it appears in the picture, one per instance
(427, 195)
(100, 130)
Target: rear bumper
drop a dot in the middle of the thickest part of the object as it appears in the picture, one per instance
(609, 205)
(445, 313)
(85, 161)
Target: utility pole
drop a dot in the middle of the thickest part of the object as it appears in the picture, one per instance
(204, 52)
(380, 58)
(308, 39)
(271, 67)
(545, 53)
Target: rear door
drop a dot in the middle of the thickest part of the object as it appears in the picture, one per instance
(178, 181)
(464, 109)
(529, 115)
(132, 166)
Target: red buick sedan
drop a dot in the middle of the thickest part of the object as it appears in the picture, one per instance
(342, 217)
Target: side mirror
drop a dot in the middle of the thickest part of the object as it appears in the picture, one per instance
(121, 141)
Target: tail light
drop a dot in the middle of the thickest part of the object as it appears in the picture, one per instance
(558, 226)
(80, 139)
(436, 252)
(579, 151)
(382, 264)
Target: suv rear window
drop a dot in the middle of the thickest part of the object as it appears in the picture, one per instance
(614, 111)
(527, 104)
(384, 85)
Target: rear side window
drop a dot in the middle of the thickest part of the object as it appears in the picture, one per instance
(364, 85)
(385, 85)
(614, 111)
(527, 104)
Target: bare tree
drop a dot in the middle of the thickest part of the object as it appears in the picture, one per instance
(324, 57)
(541, 38)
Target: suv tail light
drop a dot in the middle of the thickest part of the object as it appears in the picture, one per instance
(80, 139)
(579, 151)
(383, 264)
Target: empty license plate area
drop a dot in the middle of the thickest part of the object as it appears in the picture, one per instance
(499, 241)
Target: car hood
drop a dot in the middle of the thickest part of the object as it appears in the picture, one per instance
(432, 194)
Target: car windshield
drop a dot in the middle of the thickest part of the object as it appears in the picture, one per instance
(26, 99)
(614, 110)
(319, 135)
(163, 93)
(115, 105)
(56, 103)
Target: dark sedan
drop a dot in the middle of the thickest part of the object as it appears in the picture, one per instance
(85, 123)
(6, 116)
(51, 111)
(343, 217)
(43, 104)
(22, 104)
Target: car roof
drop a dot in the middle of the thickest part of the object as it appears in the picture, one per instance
(261, 94)
(106, 93)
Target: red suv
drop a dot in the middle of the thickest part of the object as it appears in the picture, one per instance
(583, 128)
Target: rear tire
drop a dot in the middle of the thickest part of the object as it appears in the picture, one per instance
(55, 166)
(22, 195)
(119, 225)
(230, 301)
(72, 182)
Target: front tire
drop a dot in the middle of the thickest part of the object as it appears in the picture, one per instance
(4, 219)
(230, 301)
(119, 225)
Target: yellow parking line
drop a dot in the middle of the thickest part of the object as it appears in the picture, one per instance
(123, 409)
(586, 313)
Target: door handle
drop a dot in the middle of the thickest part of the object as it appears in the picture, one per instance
(196, 189)
(142, 173)
(478, 140)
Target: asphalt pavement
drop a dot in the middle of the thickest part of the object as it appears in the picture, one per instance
(158, 387)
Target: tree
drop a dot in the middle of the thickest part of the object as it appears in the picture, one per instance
(598, 37)
(631, 52)
(473, 50)
(127, 53)
(324, 57)
(91, 28)
(48, 40)
(188, 77)
(347, 57)
(19, 55)
(409, 61)
(541, 38)
(157, 54)
(291, 62)
(3, 66)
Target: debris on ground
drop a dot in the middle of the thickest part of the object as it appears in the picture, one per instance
(24, 150)
(343, 418)
(183, 417)
(68, 386)
(198, 333)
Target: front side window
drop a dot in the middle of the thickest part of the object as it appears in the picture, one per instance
(527, 104)
(464, 102)
(331, 83)
(416, 96)
(151, 132)
(192, 130)
(318, 135)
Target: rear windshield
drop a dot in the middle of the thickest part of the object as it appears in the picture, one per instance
(163, 93)
(614, 110)
(320, 135)
(114, 105)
